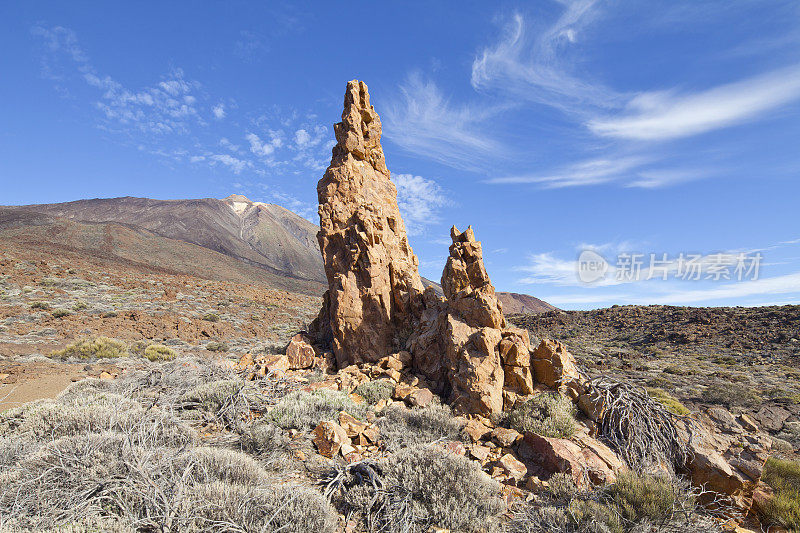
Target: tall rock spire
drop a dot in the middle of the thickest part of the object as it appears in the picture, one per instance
(374, 295)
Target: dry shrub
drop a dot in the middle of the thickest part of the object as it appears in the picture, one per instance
(639, 428)
(375, 391)
(289, 508)
(731, 395)
(305, 410)
(416, 489)
(402, 427)
(546, 414)
(269, 443)
(154, 486)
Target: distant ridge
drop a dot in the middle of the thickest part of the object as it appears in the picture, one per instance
(198, 237)
(266, 235)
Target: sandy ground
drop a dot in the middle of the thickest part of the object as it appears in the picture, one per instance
(25, 381)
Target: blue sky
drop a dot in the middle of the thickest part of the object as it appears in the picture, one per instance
(621, 127)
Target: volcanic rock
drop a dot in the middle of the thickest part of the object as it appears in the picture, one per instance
(374, 290)
(553, 365)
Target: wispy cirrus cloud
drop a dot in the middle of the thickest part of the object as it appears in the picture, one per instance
(535, 67)
(666, 115)
(424, 122)
(589, 172)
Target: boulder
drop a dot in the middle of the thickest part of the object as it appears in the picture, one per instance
(299, 352)
(420, 397)
(552, 456)
(728, 463)
(329, 437)
(771, 417)
(352, 426)
(553, 365)
(506, 437)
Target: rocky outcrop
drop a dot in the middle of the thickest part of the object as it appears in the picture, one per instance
(374, 292)
(463, 343)
(724, 457)
(375, 305)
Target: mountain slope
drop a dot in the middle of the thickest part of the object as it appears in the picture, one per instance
(226, 239)
(266, 235)
(109, 245)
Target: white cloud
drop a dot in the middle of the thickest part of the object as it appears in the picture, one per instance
(533, 67)
(302, 138)
(660, 116)
(219, 111)
(224, 142)
(235, 164)
(655, 178)
(589, 172)
(305, 139)
(264, 148)
(425, 123)
(419, 200)
(789, 283)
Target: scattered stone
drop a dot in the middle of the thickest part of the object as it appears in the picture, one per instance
(481, 453)
(747, 422)
(506, 437)
(513, 466)
(476, 430)
(329, 437)
(420, 397)
(351, 425)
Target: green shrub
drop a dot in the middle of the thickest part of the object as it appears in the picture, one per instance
(731, 395)
(215, 346)
(677, 370)
(667, 400)
(211, 317)
(586, 515)
(375, 391)
(96, 347)
(305, 410)
(634, 503)
(402, 427)
(40, 305)
(546, 414)
(725, 360)
(642, 497)
(784, 508)
(60, 313)
(159, 352)
(79, 306)
(109, 314)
